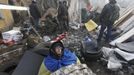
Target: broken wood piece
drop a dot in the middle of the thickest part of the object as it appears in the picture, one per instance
(123, 37)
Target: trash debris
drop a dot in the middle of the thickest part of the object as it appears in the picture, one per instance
(46, 38)
(75, 25)
(114, 64)
(107, 52)
(12, 35)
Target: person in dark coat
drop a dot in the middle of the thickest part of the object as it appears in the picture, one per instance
(66, 16)
(34, 11)
(109, 15)
(63, 15)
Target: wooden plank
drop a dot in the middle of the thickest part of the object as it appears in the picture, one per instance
(125, 24)
(124, 14)
(122, 18)
(123, 37)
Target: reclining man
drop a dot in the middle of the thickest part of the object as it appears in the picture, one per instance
(58, 57)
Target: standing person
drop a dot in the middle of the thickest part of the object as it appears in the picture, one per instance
(62, 16)
(59, 16)
(66, 16)
(34, 11)
(109, 15)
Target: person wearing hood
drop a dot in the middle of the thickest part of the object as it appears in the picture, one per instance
(57, 58)
(109, 15)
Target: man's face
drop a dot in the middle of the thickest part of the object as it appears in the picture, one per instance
(58, 50)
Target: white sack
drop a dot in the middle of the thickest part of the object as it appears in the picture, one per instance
(114, 64)
(12, 35)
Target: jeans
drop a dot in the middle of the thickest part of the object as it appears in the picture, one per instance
(109, 26)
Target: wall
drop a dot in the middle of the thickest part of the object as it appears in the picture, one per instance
(7, 17)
